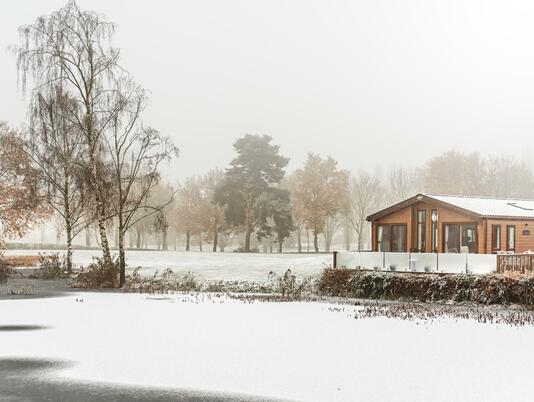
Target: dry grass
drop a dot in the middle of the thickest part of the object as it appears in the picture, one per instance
(22, 261)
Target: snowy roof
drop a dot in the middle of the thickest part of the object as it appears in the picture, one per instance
(489, 207)
(481, 206)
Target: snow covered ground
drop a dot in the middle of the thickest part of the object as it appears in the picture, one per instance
(298, 351)
(211, 266)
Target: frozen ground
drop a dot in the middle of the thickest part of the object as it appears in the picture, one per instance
(211, 266)
(296, 351)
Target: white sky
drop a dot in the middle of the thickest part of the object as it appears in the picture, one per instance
(372, 83)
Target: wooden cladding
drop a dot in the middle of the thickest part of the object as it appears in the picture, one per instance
(515, 263)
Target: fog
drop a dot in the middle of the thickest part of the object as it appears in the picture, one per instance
(371, 83)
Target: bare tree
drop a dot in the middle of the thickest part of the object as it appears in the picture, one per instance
(135, 153)
(56, 149)
(71, 48)
(365, 197)
(401, 184)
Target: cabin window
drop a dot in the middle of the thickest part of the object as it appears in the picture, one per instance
(391, 238)
(510, 238)
(421, 232)
(496, 238)
(459, 238)
(434, 234)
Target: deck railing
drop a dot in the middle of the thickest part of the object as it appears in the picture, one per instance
(515, 263)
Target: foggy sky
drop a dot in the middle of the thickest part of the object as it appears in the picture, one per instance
(371, 83)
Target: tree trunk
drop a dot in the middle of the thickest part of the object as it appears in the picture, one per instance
(248, 223)
(315, 241)
(200, 242)
(215, 240)
(164, 236)
(87, 237)
(299, 240)
(68, 229)
(138, 240)
(187, 240)
(122, 260)
(98, 197)
(280, 246)
(360, 242)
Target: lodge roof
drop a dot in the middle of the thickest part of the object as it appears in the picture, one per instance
(485, 207)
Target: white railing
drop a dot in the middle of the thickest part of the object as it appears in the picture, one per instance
(417, 262)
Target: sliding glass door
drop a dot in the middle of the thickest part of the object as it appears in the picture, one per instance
(459, 238)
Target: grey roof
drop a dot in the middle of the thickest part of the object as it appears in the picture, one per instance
(489, 207)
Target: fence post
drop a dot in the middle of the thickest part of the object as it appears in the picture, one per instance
(334, 262)
(383, 260)
(437, 262)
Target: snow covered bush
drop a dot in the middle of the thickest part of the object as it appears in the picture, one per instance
(427, 287)
(167, 282)
(96, 275)
(51, 267)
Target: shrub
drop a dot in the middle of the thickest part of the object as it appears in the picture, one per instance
(167, 282)
(97, 275)
(5, 271)
(23, 290)
(483, 289)
(52, 266)
(334, 281)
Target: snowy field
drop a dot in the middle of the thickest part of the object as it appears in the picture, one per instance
(210, 266)
(295, 351)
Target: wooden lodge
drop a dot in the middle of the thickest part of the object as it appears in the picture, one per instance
(454, 224)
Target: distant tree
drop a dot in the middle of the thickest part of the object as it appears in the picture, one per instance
(211, 214)
(321, 189)
(274, 209)
(402, 183)
(366, 197)
(454, 173)
(257, 167)
(20, 205)
(297, 209)
(186, 210)
(507, 177)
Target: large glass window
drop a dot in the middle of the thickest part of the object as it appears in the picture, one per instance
(384, 238)
(459, 238)
(510, 238)
(434, 233)
(421, 232)
(495, 238)
(391, 238)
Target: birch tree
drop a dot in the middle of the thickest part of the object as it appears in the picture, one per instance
(71, 49)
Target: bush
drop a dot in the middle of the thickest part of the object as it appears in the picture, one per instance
(52, 266)
(97, 275)
(483, 289)
(5, 271)
(167, 282)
